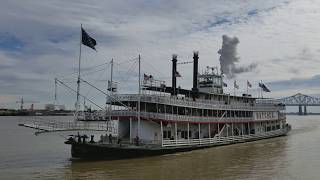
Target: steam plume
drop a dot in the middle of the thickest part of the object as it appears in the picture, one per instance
(228, 58)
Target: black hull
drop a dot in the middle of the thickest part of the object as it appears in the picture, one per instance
(89, 151)
(98, 151)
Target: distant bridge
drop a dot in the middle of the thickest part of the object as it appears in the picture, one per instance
(300, 100)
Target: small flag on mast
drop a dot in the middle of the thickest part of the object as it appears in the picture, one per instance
(178, 74)
(264, 87)
(235, 85)
(146, 77)
(87, 40)
(249, 84)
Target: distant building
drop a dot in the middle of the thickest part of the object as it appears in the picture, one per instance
(52, 107)
(60, 107)
(49, 107)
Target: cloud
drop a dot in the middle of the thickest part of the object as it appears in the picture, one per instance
(9, 42)
(303, 83)
(228, 58)
(39, 40)
(294, 71)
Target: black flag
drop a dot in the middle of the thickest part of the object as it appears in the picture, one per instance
(87, 40)
(264, 87)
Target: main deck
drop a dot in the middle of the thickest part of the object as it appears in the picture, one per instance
(104, 150)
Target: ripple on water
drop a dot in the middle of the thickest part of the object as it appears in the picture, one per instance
(25, 156)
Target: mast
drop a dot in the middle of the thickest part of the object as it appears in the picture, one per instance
(139, 97)
(111, 89)
(55, 92)
(78, 82)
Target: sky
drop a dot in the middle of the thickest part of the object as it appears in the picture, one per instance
(39, 41)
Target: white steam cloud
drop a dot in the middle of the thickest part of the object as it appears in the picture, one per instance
(228, 58)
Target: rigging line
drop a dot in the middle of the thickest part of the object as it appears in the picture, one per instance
(93, 67)
(114, 99)
(96, 66)
(145, 62)
(127, 73)
(79, 94)
(122, 62)
(99, 79)
(123, 76)
(127, 77)
(87, 69)
(130, 70)
(101, 75)
(91, 72)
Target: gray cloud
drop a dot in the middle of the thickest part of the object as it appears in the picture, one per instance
(303, 83)
(228, 58)
(49, 31)
(294, 71)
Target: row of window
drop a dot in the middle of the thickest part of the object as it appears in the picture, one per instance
(168, 134)
(265, 115)
(161, 108)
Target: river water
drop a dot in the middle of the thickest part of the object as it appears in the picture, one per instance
(296, 156)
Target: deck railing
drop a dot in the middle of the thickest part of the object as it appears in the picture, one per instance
(47, 125)
(199, 103)
(184, 118)
(221, 140)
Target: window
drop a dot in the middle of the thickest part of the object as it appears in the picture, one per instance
(166, 134)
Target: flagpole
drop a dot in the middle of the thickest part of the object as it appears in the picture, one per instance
(259, 91)
(247, 87)
(78, 82)
(261, 96)
(111, 89)
(234, 88)
(139, 99)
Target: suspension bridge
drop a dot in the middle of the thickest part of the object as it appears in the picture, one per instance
(302, 101)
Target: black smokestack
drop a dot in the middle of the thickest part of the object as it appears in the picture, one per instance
(174, 72)
(195, 71)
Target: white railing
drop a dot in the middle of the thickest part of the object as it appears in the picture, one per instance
(221, 140)
(173, 117)
(44, 125)
(199, 103)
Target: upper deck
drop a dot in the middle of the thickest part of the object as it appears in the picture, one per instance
(242, 104)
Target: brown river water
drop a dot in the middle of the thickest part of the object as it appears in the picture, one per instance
(295, 156)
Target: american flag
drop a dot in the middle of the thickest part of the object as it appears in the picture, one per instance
(87, 40)
(178, 74)
(145, 77)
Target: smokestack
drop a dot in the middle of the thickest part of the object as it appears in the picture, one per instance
(174, 72)
(195, 72)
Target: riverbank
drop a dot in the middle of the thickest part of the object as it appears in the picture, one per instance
(13, 112)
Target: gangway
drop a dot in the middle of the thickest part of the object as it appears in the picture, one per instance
(44, 125)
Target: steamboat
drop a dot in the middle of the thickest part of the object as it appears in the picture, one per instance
(161, 119)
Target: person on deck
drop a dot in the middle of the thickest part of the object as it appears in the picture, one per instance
(110, 138)
(92, 139)
(136, 140)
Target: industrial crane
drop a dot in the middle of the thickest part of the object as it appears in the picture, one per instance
(22, 102)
